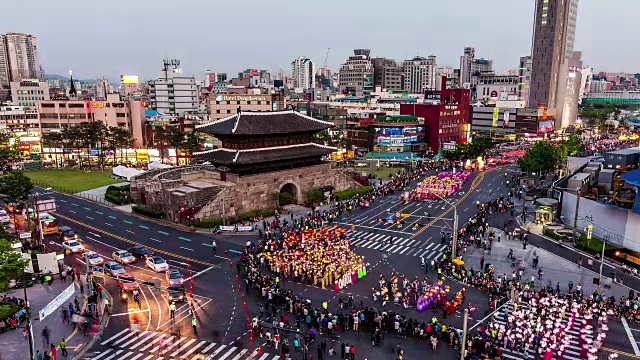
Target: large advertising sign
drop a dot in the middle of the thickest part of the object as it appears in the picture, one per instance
(496, 115)
(545, 126)
(129, 79)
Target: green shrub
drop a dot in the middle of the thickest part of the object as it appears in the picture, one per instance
(143, 210)
(349, 193)
(119, 195)
(7, 309)
(210, 223)
(314, 196)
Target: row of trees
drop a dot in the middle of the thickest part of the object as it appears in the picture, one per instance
(87, 135)
(15, 187)
(470, 150)
(544, 157)
(597, 114)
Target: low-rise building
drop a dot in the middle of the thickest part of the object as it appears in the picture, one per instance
(493, 120)
(28, 91)
(224, 105)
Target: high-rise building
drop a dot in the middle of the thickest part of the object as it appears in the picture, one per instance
(19, 58)
(569, 83)
(420, 74)
(303, 72)
(387, 74)
(356, 75)
(173, 93)
(553, 39)
(524, 82)
(466, 62)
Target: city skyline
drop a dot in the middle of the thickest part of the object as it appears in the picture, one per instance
(132, 43)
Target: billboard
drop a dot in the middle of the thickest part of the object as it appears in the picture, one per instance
(496, 114)
(129, 79)
(545, 126)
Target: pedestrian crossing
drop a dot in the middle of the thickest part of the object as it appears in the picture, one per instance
(401, 245)
(152, 345)
(572, 351)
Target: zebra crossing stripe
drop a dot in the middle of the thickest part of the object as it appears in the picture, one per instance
(113, 337)
(184, 346)
(153, 342)
(124, 338)
(105, 353)
(403, 250)
(114, 355)
(411, 242)
(137, 356)
(377, 237)
(391, 249)
(148, 335)
(226, 355)
(367, 236)
(126, 355)
(217, 351)
(240, 354)
(428, 247)
(367, 244)
(200, 344)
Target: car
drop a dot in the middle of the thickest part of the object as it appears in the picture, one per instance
(174, 277)
(93, 258)
(113, 268)
(66, 233)
(176, 293)
(123, 257)
(140, 252)
(72, 246)
(127, 282)
(157, 264)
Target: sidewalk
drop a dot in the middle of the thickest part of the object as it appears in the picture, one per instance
(554, 267)
(16, 347)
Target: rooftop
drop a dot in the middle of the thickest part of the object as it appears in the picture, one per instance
(262, 123)
(262, 155)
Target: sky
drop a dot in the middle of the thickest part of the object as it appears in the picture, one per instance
(97, 38)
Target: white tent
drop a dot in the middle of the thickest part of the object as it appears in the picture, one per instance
(156, 165)
(123, 172)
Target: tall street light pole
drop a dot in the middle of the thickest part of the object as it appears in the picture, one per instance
(604, 243)
(455, 226)
(464, 334)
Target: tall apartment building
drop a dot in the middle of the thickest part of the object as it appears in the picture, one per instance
(303, 72)
(524, 82)
(356, 74)
(420, 74)
(466, 62)
(19, 58)
(173, 93)
(387, 74)
(553, 39)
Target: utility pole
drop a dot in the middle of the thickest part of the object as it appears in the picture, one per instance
(464, 334)
(575, 218)
(604, 243)
(455, 233)
(26, 301)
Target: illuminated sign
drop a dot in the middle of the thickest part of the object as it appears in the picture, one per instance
(494, 94)
(129, 79)
(545, 126)
(144, 104)
(496, 114)
(98, 105)
(221, 97)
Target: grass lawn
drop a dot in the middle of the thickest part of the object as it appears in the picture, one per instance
(384, 172)
(72, 181)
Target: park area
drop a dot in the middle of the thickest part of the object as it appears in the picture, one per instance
(71, 181)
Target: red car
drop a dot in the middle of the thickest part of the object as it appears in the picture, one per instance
(127, 282)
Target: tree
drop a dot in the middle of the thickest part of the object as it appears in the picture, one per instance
(541, 158)
(314, 196)
(119, 138)
(15, 187)
(53, 140)
(12, 264)
(191, 144)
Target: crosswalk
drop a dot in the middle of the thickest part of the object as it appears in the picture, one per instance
(401, 245)
(572, 351)
(148, 345)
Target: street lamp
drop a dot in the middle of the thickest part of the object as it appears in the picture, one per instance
(604, 243)
(455, 225)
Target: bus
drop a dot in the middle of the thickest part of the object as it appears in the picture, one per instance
(49, 223)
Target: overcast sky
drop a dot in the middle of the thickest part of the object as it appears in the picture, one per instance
(98, 38)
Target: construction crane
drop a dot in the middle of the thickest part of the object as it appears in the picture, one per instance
(326, 58)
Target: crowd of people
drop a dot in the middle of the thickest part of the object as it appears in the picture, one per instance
(440, 186)
(321, 257)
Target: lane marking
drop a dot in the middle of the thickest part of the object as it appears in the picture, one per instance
(155, 240)
(181, 247)
(108, 224)
(71, 211)
(74, 204)
(127, 222)
(62, 200)
(130, 312)
(184, 238)
(144, 227)
(630, 335)
(112, 217)
(98, 212)
(156, 250)
(86, 208)
(129, 231)
(94, 234)
(163, 233)
(89, 217)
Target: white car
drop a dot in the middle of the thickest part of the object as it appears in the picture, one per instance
(157, 264)
(123, 257)
(93, 258)
(73, 246)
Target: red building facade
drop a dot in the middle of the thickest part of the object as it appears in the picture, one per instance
(446, 123)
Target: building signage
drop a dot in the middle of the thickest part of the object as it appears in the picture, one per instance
(432, 95)
(545, 126)
(496, 114)
(98, 104)
(129, 79)
(505, 119)
(221, 97)
(494, 94)
(527, 112)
